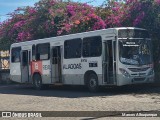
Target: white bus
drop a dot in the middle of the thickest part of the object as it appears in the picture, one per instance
(114, 56)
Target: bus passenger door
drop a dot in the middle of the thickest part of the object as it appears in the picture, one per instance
(25, 59)
(105, 63)
(56, 64)
(109, 62)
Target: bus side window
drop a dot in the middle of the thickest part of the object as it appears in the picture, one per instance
(72, 48)
(92, 46)
(43, 51)
(15, 54)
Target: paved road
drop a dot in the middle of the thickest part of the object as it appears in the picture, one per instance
(25, 98)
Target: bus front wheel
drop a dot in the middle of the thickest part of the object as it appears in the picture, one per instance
(92, 83)
(37, 82)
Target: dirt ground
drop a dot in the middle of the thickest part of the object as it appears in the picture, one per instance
(129, 98)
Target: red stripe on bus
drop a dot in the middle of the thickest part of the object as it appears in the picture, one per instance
(36, 66)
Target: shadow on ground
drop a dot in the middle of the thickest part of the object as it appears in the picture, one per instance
(77, 91)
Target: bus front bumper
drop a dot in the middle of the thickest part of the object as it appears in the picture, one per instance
(122, 80)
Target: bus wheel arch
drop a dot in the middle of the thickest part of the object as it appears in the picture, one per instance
(91, 81)
(37, 81)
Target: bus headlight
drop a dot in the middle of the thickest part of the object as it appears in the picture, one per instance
(151, 72)
(124, 72)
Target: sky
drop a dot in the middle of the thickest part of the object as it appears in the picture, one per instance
(8, 6)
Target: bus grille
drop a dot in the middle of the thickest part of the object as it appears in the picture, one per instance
(138, 69)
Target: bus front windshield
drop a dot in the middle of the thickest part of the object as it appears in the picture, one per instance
(135, 51)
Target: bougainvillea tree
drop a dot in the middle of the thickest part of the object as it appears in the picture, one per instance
(50, 18)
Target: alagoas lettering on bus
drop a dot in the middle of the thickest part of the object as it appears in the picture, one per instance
(72, 66)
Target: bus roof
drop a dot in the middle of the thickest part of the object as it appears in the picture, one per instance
(72, 36)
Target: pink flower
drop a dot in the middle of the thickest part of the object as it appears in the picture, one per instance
(22, 36)
(59, 11)
(71, 9)
(131, 1)
(32, 10)
(139, 18)
(67, 27)
(115, 8)
(93, 16)
(1, 32)
(72, 13)
(52, 22)
(52, 2)
(59, 32)
(19, 24)
(100, 24)
(157, 2)
(50, 11)
(85, 5)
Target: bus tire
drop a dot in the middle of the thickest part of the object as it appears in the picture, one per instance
(92, 82)
(37, 82)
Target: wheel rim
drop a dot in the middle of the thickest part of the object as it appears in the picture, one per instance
(93, 82)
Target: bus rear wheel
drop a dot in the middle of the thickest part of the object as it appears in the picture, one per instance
(37, 82)
(92, 83)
